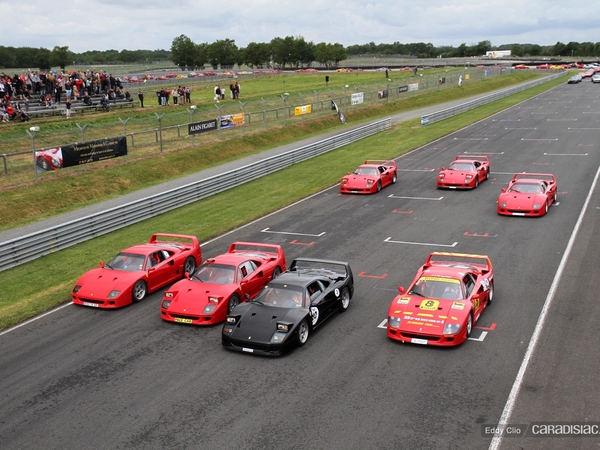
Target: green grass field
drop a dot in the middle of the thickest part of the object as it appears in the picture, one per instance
(42, 284)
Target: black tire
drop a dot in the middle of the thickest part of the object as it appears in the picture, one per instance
(378, 186)
(276, 273)
(139, 291)
(546, 208)
(234, 300)
(469, 325)
(491, 293)
(487, 175)
(189, 266)
(344, 300)
(554, 200)
(394, 178)
(303, 332)
(476, 180)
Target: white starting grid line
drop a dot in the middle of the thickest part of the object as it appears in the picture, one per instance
(266, 230)
(416, 170)
(566, 154)
(390, 241)
(416, 198)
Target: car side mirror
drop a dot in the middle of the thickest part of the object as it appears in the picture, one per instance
(187, 275)
(443, 168)
(401, 290)
(101, 263)
(503, 189)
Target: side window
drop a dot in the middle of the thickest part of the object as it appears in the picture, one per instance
(246, 269)
(314, 290)
(543, 186)
(469, 284)
(381, 169)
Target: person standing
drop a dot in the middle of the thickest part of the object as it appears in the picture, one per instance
(326, 80)
(68, 107)
(141, 97)
(175, 95)
(237, 90)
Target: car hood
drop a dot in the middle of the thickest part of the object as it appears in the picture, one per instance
(425, 314)
(355, 180)
(98, 283)
(258, 322)
(456, 175)
(520, 200)
(193, 295)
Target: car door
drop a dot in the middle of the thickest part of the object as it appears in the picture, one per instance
(162, 272)
(251, 277)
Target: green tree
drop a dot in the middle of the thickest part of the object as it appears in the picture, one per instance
(61, 56)
(283, 51)
(223, 53)
(182, 52)
(256, 54)
(42, 59)
(338, 53)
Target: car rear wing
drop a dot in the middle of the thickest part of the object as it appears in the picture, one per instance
(534, 176)
(275, 250)
(329, 268)
(383, 162)
(178, 240)
(481, 262)
(480, 158)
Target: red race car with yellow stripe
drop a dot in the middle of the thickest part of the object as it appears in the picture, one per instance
(444, 301)
(222, 282)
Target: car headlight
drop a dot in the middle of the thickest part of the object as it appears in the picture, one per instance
(283, 327)
(370, 183)
(344, 180)
(278, 337)
(451, 328)
(537, 206)
(209, 309)
(468, 177)
(228, 328)
(394, 322)
(213, 299)
(55, 162)
(502, 204)
(114, 294)
(441, 176)
(76, 288)
(166, 304)
(169, 295)
(232, 320)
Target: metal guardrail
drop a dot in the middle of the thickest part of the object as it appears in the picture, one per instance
(32, 246)
(449, 112)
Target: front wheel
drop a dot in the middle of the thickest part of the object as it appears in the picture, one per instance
(469, 325)
(139, 291)
(378, 186)
(233, 302)
(491, 293)
(344, 300)
(476, 180)
(303, 331)
(394, 178)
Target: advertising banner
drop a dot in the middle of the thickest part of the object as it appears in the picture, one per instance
(300, 110)
(402, 89)
(357, 98)
(202, 127)
(76, 154)
(232, 121)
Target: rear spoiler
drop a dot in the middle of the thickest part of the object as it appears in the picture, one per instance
(480, 158)
(328, 267)
(385, 162)
(534, 176)
(177, 239)
(480, 261)
(249, 247)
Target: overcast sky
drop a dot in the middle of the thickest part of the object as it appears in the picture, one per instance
(84, 25)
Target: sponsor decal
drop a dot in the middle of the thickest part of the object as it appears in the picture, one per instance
(202, 127)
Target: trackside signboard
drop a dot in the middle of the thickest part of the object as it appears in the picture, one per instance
(202, 127)
(76, 154)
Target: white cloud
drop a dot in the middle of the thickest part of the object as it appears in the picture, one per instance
(153, 24)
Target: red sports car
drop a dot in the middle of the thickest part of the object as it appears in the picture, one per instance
(444, 301)
(369, 177)
(528, 194)
(465, 172)
(50, 159)
(138, 270)
(221, 283)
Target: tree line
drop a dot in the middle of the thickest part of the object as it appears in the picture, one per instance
(280, 52)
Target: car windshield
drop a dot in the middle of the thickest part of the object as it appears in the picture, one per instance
(215, 274)
(282, 296)
(467, 167)
(366, 171)
(528, 188)
(129, 262)
(437, 287)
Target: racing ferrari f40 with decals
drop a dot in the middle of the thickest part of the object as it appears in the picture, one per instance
(444, 301)
(289, 308)
(138, 270)
(370, 177)
(528, 194)
(465, 172)
(222, 282)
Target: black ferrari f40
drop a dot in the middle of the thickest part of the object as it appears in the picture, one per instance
(284, 314)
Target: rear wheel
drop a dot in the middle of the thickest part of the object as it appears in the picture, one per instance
(189, 266)
(139, 291)
(276, 272)
(303, 331)
(344, 300)
(234, 300)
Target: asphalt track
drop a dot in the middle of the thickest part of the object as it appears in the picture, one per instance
(84, 378)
